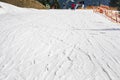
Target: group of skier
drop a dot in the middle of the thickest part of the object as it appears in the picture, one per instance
(77, 5)
(69, 4)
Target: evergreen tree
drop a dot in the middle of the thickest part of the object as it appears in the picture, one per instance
(51, 3)
(119, 5)
(45, 2)
(115, 3)
(56, 4)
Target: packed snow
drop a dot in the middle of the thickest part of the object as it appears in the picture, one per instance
(57, 45)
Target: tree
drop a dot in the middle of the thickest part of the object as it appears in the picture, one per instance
(52, 3)
(115, 3)
(119, 5)
(45, 2)
(55, 4)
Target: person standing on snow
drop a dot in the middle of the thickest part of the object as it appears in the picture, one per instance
(73, 6)
(77, 5)
(64, 6)
(83, 5)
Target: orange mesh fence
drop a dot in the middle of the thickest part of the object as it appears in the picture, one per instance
(105, 10)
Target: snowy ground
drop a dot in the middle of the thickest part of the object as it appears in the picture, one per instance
(57, 45)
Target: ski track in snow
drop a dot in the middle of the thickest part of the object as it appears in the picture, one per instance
(58, 45)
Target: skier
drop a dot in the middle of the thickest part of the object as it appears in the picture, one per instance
(64, 6)
(83, 5)
(73, 6)
(77, 5)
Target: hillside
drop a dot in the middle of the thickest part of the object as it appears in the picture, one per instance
(26, 3)
(57, 45)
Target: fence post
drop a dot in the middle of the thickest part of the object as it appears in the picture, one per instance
(116, 16)
(111, 14)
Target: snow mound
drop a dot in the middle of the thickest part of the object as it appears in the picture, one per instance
(2, 11)
(8, 8)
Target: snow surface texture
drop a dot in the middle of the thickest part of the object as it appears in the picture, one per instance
(58, 45)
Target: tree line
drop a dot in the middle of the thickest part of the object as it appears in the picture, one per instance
(55, 3)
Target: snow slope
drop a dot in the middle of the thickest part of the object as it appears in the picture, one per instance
(58, 45)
